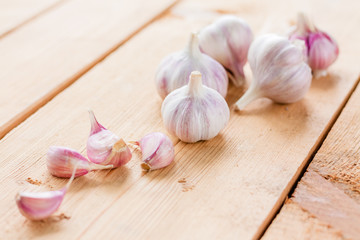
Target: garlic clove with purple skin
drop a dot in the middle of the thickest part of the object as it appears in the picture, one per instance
(157, 151)
(227, 40)
(37, 206)
(41, 205)
(279, 71)
(104, 147)
(195, 112)
(174, 70)
(62, 160)
(322, 49)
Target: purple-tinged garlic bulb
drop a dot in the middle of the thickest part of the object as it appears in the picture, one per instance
(279, 71)
(227, 40)
(322, 49)
(61, 162)
(104, 147)
(195, 112)
(41, 205)
(174, 70)
(157, 151)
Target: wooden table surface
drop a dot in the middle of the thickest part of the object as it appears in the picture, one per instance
(275, 172)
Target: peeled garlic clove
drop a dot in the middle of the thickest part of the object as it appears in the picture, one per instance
(104, 147)
(195, 112)
(227, 40)
(41, 205)
(174, 70)
(61, 162)
(157, 151)
(279, 71)
(322, 49)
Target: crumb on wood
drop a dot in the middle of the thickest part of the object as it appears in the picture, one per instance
(186, 186)
(286, 109)
(33, 181)
(56, 218)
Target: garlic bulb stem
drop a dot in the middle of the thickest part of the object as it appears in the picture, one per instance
(249, 96)
(193, 45)
(195, 83)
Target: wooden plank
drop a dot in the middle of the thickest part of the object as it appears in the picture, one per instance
(338, 162)
(50, 53)
(298, 224)
(16, 13)
(238, 180)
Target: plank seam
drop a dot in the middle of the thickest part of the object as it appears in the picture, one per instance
(30, 19)
(22, 116)
(290, 188)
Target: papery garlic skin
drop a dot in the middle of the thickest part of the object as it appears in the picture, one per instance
(279, 71)
(41, 205)
(195, 112)
(62, 160)
(227, 40)
(173, 72)
(322, 49)
(104, 147)
(157, 151)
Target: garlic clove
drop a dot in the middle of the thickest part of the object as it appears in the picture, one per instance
(174, 70)
(104, 147)
(41, 205)
(120, 154)
(157, 151)
(279, 71)
(195, 112)
(61, 162)
(37, 206)
(227, 40)
(322, 49)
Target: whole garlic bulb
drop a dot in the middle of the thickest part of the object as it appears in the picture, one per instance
(195, 112)
(279, 70)
(174, 70)
(322, 49)
(227, 40)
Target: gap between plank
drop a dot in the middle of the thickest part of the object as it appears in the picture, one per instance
(26, 21)
(26, 113)
(290, 188)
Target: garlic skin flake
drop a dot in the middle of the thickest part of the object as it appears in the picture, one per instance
(41, 205)
(104, 147)
(195, 112)
(227, 40)
(279, 71)
(157, 151)
(62, 160)
(322, 49)
(174, 70)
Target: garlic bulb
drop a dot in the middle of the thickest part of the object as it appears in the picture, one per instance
(322, 49)
(175, 69)
(227, 40)
(104, 147)
(195, 112)
(279, 71)
(157, 151)
(41, 205)
(61, 162)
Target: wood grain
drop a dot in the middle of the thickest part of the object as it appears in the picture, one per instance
(51, 52)
(235, 183)
(16, 13)
(337, 161)
(299, 224)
